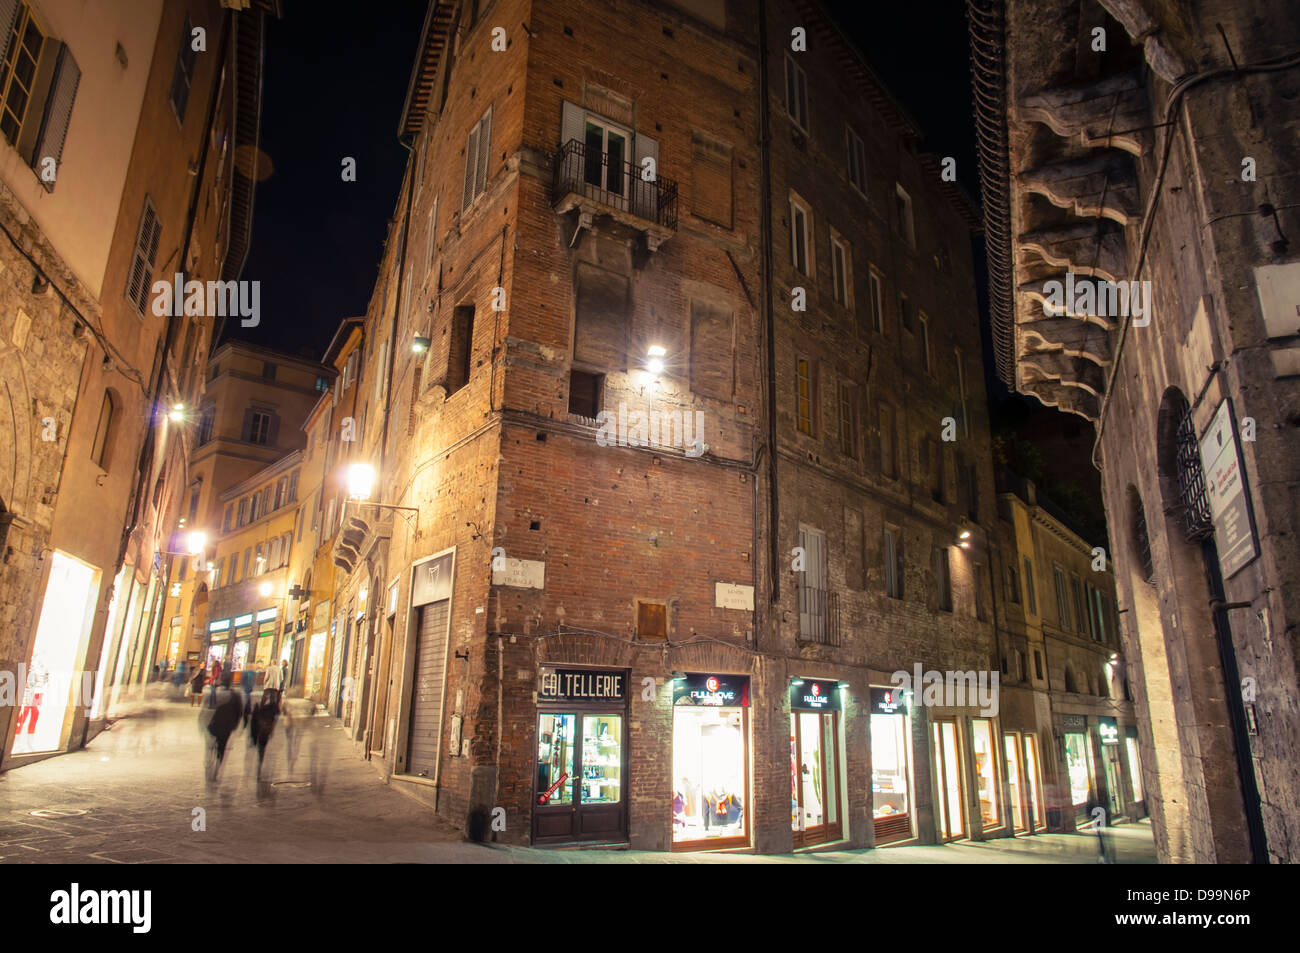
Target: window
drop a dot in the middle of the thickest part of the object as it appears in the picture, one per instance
(877, 302)
(800, 235)
(1031, 597)
(229, 516)
(1062, 597)
(584, 393)
(103, 431)
(268, 370)
(430, 239)
(903, 207)
(842, 271)
(243, 513)
(888, 446)
(848, 421)
(183, 74)
(961, 389)
(892, 558)
(248, 561)
(143, 257)
(1038, 665)
(905, 311)
(652, 621)
(477, 147)
(796, 93)
(938, 474)
(254, 502)
(259, 560)
(942, 578)
(1080, 611)
(460, 348)
(293, 487)
(981, 608)
(322, 385)
(23, 46)
(207, 418)
(814, 615)
(281, 493)
(804, 395)
(259, 427)
(924, 323)
(1013, 585)
(217, 572)
(607, 155)
(857, 160)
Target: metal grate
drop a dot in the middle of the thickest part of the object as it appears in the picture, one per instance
(1193, 499)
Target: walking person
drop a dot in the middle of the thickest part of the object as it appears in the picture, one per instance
(271, 680)
(262, 723)
(229, 710)
(196, 685)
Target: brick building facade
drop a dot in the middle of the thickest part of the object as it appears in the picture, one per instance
(670, 428)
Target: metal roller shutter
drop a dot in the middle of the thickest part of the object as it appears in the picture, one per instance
(426, 694)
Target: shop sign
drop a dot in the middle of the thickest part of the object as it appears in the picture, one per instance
(889, 701)
(723, 691)
(1108, 728)
(578, 684)
(243, 620)
(1074, 722)
(432, 581)
(814, 695)
(321, 614)
(1225, 486)
(221, 626)
(266, 614)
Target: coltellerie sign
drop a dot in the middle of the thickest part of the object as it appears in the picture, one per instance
(570, 684)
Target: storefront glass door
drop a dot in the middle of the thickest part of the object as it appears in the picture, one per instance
(579, 793)
(986, 772)
(1032, 784)
(1134, 768)
(1015, 789)
(891, 782)
(1113, 772)
(815, 776)
(1078, 762)
(950, 815)
(709, 770)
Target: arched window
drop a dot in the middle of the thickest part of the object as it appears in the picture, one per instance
(103, 430)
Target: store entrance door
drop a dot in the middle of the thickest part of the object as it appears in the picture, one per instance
(950, 815)
(814, 777)
(1112, 780)
(580, 783)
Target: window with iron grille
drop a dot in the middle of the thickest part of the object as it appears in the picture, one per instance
(1193, 498)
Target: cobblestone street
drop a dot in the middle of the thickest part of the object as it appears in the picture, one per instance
(137, 792)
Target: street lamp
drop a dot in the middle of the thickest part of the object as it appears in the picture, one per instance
(198, 541)
(264, 589)
(655, 363)
(177, 413)
(361, 481)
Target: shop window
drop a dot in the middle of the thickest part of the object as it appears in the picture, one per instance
(710, 761)
(985, 772)
(949, 808)
(891, 788)
(1077, 762)
(652, 621)
(556, 736)
(602, 759)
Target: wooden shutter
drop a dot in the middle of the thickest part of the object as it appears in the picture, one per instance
(484, 154)
(8, 14)
(471, 156)
(58, 112)
(573, 122)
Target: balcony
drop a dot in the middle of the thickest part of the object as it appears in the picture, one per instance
(594, 184)
(819, 616)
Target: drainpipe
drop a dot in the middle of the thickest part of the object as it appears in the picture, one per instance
(765, 237)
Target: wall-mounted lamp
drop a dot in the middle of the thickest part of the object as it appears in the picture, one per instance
(177, 413)
(419, 344)
(655, 362)
(264, 589)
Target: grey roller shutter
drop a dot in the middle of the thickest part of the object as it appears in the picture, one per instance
(58, 113)
(426, 689)
(572, 123)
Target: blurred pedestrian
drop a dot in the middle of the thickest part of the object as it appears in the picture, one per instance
(262, 723)
(225, 719)
(272, 678)
(196, 685)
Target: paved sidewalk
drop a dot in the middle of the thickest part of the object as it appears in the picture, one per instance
(137, 795)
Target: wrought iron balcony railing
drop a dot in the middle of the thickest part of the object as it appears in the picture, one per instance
(617, 185)
(819, 615)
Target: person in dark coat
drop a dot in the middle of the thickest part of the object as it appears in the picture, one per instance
(196, 685)
(225, 719)
(262, 723)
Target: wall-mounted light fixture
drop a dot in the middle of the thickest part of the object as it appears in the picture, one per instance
(419, 344)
